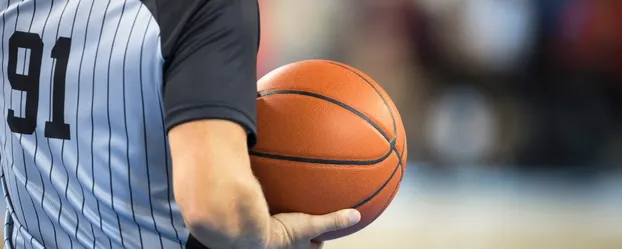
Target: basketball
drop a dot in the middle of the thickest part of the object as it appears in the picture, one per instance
(329, 138)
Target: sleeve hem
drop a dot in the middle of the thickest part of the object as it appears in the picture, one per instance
(183, 115)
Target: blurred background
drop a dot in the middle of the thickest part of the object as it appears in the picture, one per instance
(512, 110)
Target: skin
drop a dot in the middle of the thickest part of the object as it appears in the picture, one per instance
(221, 200)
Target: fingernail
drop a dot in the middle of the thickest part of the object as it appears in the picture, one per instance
(355, 216)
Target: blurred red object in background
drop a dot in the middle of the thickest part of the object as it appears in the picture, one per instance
(265, 48)
(591, 34)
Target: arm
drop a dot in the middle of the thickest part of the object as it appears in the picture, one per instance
(220, 199)
(210, 99)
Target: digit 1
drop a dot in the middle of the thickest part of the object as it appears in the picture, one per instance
(27, 82)
(57, 128)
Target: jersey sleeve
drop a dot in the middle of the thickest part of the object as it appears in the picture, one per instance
(210, 71)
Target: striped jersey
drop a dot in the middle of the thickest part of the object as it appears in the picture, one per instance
(90, 89)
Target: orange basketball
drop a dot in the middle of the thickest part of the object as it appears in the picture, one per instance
(329, 138)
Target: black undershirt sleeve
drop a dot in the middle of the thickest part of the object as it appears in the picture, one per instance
(210, 67)
(210, 53)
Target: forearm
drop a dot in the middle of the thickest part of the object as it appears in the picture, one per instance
(220, 199)
(240, 220)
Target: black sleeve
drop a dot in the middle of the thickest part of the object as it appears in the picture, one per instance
(210, 63)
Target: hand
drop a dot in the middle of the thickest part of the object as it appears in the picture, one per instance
(316, 245)
(295, 230)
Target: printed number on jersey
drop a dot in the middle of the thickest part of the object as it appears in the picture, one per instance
(29, 83)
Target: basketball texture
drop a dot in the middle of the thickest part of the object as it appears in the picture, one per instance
(329, 138)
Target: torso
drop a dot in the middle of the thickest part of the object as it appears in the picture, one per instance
(103, 180)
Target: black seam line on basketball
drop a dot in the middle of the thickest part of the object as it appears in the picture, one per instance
(376, 90)
(392, 196)
(321, 161)
(381, 187)
(399, 166)
(331, 100)
(400, 156)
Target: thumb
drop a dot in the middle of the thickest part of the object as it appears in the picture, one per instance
(334, 221)
(316, 245)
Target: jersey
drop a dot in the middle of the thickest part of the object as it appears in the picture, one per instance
(90, 89)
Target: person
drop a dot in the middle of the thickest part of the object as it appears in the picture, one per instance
(128, 124)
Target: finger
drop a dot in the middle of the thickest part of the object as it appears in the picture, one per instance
(334, 221)
(316, 245)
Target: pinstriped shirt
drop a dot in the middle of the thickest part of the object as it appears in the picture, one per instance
(89, 91)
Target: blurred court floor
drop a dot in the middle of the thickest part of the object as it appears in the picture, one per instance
(496, 210)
